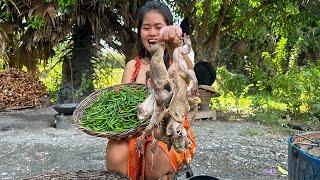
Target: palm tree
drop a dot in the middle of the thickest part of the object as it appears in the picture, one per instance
(38, 26)
(96, 20)
(31, 29)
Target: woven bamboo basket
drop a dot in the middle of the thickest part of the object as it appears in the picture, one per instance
(80, 175)
(80, 110)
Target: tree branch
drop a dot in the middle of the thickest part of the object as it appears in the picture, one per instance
(247, 17)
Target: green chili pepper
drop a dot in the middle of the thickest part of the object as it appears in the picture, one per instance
(114, 111)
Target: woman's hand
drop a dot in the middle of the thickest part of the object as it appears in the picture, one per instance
(171, 35)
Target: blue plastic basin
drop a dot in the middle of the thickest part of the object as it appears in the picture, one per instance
(302, 165)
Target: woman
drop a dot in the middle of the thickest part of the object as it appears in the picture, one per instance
(122, 156)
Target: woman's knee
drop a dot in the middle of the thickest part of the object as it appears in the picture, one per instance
(158, 165)
(117, 156)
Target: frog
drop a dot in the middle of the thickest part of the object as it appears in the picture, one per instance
(179, 105)
(179, 64)
(170, 131)
(158, 74)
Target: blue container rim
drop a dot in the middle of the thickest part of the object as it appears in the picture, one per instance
(303, 152)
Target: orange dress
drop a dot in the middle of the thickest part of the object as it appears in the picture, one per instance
(136, 161)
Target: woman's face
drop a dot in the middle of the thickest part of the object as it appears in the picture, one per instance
(152, 22)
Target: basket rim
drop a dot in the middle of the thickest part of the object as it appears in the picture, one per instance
(206, 87)
(78, 113)
(79, 174)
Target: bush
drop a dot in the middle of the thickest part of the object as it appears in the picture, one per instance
(107, 77)
(227, 82)
(230, 85)
(295, 95)
(299, 89)
(50, 75)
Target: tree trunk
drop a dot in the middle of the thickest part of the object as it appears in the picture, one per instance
(201, 29)
(216, 33)
(77, 71)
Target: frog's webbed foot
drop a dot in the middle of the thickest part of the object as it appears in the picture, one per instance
(192, 90)
(154, 146)
(141, 140)
(181, 144)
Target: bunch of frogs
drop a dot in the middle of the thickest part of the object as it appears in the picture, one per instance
(167, 109)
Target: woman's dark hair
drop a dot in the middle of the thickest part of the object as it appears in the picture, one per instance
(160, 7)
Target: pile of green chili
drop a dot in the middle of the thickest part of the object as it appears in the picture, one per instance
(114, 110)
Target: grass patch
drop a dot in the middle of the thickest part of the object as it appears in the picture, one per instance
(283, 130)
(261, 108)
(251, 132)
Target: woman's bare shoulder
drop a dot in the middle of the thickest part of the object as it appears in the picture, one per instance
(130, 67)
(131, 62)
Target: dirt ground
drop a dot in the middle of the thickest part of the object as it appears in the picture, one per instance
(38, 141)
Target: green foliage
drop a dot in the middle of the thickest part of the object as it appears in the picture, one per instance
(265, 33)
(231, 85)
(299, 89)
(228, 103)
(110, 59)
(36, 22)
(294, 54)
(295, 96)
(50, 75)
(4, 16)
(199, 10)
(230, 82)
(107, 77)
(84, 86)
(67, 6)
(51, 70)
(259, 77)
(269, 116)
(275, 64)
(108, 69)
(66, 3)
(2, 63)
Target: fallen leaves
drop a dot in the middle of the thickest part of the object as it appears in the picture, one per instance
(19, 89)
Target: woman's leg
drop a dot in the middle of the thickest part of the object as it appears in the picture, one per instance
(117, 156)
(158, 165)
